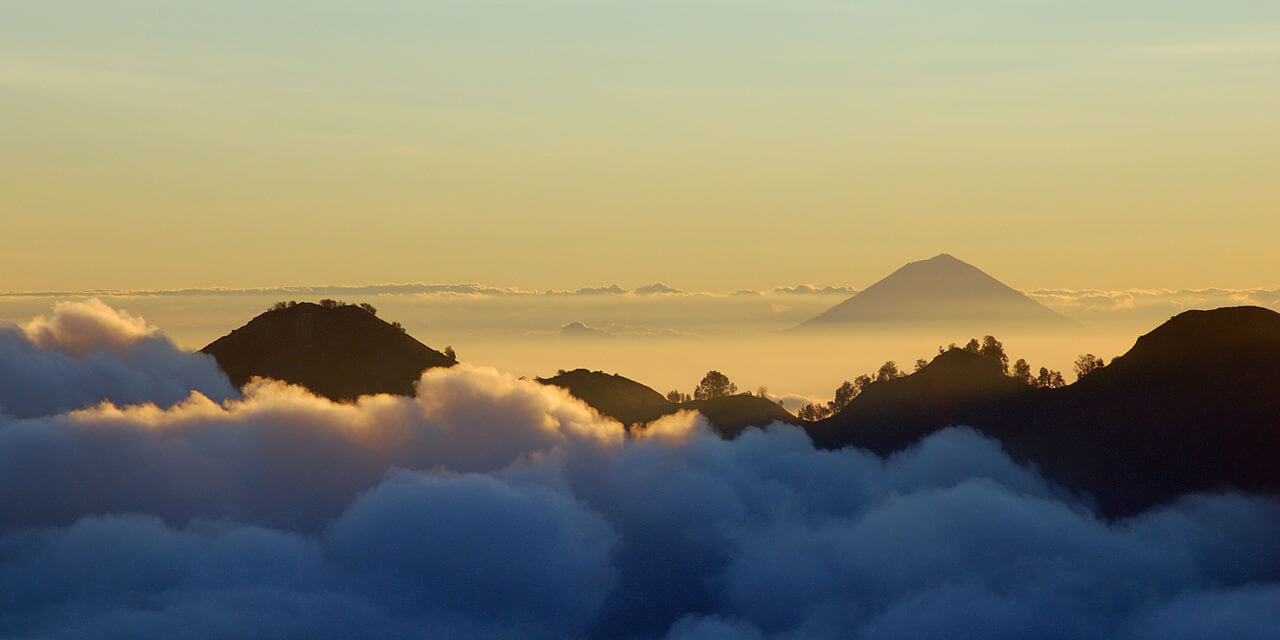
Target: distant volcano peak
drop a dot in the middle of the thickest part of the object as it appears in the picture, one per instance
(944, 263)
(942, 291)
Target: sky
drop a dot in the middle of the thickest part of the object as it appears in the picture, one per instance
(712, 145)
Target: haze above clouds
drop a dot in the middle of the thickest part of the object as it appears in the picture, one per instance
(665, 340)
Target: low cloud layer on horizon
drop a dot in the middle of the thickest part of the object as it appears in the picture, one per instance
(471, 289)
(1092, 298)
(1100, 306)
(493, 507)
(669, 341)
(1067, 300)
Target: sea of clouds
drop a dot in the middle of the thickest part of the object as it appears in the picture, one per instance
(494, 507)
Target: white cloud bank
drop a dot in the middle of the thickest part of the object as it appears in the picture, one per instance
(86, 353)
(491, 507)
(1163, 300)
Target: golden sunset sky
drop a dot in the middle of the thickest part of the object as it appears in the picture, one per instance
(708, 144)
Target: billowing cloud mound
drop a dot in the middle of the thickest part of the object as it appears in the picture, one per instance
(279, 456)
(490, 507)
(86, 353)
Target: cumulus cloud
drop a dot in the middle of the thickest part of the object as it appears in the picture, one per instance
(279, 456)
(419, 557)
(552, 566)
(492, 507)
(78, 328)
(87, 352)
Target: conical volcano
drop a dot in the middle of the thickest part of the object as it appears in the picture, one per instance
(941, 292)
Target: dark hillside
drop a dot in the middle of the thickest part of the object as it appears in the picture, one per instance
(622, 399)
(338, 352)
(1193, 406)
(632, 403)
(731, 415)
(893, 414)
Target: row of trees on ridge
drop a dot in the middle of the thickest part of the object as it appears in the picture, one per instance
(330, 303)
(989, 347)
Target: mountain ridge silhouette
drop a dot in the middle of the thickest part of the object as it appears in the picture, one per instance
(1192, 406)
(634, 404)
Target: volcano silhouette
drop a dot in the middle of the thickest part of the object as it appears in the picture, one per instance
(941, 292)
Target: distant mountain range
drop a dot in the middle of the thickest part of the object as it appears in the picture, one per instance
(941, 292)
(1193, 406)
